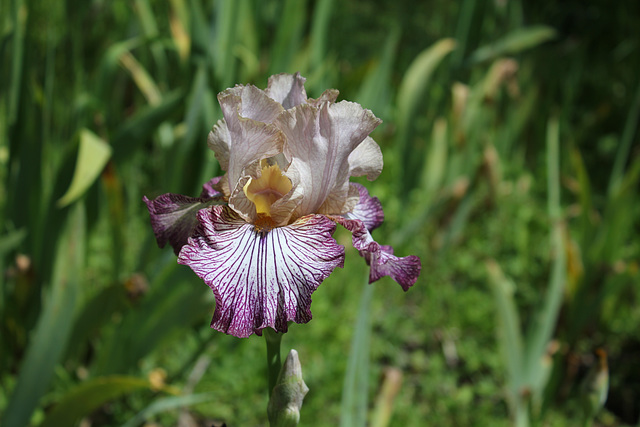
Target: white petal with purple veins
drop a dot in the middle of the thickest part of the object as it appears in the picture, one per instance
(259, 278)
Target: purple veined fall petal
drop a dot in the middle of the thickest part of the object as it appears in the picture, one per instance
(319, 142)
(260, 279)
(381, 260)
(287, 89)
(368, 210)
(173, 217)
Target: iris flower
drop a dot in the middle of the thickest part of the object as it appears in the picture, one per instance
(261, 235)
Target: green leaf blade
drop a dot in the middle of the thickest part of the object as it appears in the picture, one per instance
(93, 155)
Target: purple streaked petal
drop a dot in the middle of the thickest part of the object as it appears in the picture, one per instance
(173, 217)
(404, 271)
(368, 210)
(259, 278)
(287, 89)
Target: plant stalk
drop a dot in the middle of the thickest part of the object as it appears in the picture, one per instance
(274, 364)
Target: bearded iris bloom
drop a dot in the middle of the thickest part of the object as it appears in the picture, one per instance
(261, 235)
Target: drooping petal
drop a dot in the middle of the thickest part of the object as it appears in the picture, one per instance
(287, 89)
(260, 278)
(173, 217)
(366, 159)
(381, 260)
(319, 142)
(368, 210)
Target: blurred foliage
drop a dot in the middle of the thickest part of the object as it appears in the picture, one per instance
(512, 170)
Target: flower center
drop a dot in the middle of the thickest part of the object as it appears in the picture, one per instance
(264, 191)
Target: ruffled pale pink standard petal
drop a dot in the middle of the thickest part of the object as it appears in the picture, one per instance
(287, 89)
(319, 142)
(246, 136)
(366, 159)
(259, 278)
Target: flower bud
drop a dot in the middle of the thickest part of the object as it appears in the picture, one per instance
(288, 393)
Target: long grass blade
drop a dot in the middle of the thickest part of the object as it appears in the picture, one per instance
(509, 332)
(289, 36)
(626, 140)
(54, 325)
(410, 95)
(546, 322)
(93, 155)
(375, 91)
(88, 396)
(165, 404)
(515, 42)
(356, 381)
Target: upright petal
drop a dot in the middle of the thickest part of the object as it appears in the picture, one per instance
(318, 143)
(250, 136)
(249, 102)
(260, 278)
(329, 95)
(366, 159)
(404, 271)
(219, 141)
(287, 89)
(173, 217)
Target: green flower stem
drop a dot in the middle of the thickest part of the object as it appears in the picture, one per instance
(273, 356)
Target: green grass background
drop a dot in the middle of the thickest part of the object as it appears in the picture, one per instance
(511, 169)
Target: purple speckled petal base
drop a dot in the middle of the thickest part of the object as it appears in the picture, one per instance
(404, 271)
(263, 278)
